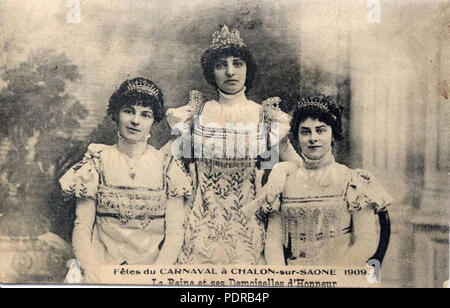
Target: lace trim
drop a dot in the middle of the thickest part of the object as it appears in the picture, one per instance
(305, 225)
(131, 204)
(228, 163)
(140, 221)
(255, 144)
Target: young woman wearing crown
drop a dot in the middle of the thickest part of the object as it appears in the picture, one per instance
(130, 197)
(229, 136)
(327, 209)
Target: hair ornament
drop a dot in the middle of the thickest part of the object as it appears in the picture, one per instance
(320, 102)
(225, 38)
(140, 86)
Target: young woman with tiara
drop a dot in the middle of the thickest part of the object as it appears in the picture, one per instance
(327, 209)
(130, 196)
(229, 136)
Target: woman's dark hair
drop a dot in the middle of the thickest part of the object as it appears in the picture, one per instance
(322, 108)
(137, 92)
(210, 57)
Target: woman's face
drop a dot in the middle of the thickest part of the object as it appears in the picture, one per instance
(315, 138)
(135, 122)
(230, 74)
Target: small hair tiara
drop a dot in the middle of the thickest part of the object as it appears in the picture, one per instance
(141, 87)
(320, 102)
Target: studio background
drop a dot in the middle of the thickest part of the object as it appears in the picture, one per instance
(387, 63)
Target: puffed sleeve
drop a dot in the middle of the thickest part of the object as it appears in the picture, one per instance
(279, 124)
(82, 180)
(181, 118)
(364, 190)
(278, 120)
(179, 183)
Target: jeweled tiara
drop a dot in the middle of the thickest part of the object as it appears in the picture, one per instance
(322, 103)
(141, 87)
(225, 38)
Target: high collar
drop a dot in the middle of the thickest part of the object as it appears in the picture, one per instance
(313, 164)
(232, 98)
(132, 149)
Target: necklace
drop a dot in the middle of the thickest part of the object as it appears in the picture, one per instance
(130, 161)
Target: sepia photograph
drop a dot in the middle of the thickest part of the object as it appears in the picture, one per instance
(231, 143)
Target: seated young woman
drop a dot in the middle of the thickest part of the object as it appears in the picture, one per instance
(327, 211)
(130, 196)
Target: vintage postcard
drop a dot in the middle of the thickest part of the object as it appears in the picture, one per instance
(287, 143)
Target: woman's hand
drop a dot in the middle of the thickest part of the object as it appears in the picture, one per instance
(249, 210)
(272, 205)
(261, 202)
